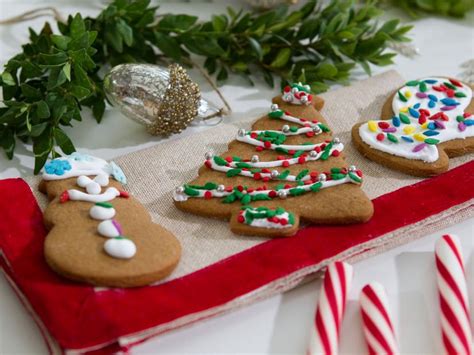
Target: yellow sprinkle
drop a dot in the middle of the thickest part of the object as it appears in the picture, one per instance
(404, 109)
(408, 129)
(408, 94)
(372, 126)
(419, 137)
(424, 125)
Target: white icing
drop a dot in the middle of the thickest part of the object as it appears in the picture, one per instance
(108, 195)
(120, 248)
(180, 197)
(102, 179)
(249, 140)
(93, 188)
(108, 229)
(430, 152)
(101, 213)
(83, 180)
(265, 223)
(276, 163)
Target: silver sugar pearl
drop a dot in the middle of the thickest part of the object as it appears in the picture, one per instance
(285, 128)
(282, 194)
(208, 155)
(316, 129)
(336, 141)
(322, 177)
(274, 174)
(313, 154)
(352, 168)
(220, 188)
(274, 107)
(304, 99)
(179, 190)
(241, 132)
(287, 98)
(255, 159)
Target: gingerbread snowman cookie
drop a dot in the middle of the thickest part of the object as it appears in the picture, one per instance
(423, 124)
(287, 167)
(98, 233)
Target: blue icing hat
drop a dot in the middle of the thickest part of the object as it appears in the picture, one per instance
(117, 173)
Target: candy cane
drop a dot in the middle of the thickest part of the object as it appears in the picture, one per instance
(378, 328)
(331, 305)
(454, 303)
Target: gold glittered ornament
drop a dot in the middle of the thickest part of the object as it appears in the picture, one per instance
(165, 100)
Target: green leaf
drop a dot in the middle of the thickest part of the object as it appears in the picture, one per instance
(98, 110)
(61, 42)
(67, 71)
(30, 92)
(126, 31)
(7, 79)
(168, 45)
(42, 109)
(282, 58)
(63, 141)
(77, 27)
(256, 47)
(7, 141)
(53, 59)
(177, 22)
(38, 129)
(80, 92)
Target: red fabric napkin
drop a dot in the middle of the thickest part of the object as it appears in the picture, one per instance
(73, 316)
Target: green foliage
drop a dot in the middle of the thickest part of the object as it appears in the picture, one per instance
(47, 85)
(453, 8)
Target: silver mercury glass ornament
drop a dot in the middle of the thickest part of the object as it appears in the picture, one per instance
(165, 100)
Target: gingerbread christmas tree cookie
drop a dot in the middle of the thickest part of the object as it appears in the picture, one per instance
(423, 124)
(98, 233)
(286, 168)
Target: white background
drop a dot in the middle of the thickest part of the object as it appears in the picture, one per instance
(280, 324)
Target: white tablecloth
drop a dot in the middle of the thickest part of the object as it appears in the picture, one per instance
(280, 324)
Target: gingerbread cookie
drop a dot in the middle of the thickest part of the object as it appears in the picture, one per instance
(98, 233)
(423, 124)
(287, 167)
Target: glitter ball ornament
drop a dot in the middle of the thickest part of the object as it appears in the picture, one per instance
(165, 100)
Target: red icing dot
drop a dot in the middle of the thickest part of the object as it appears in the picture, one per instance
(291, 152)
(335, 153)
(317, 149)
(259, 149)
(309, 134)
(301, 160)
(207, 195)
(314, 121)
(240, 188)
(287, 89)
(229, 159)
(250, 190)
(313, 174)
(229, 189)
(124, 194)
(64, 197)
(280, 157)
(283, 222)
(257, 176)
(380, 137)
(384, 125)
(467, 114)
(276, 219)
(266, 179)
(267, 144)
(266, 171)
(253, 135)
(287, 186)
(240, 219)
(359, 173)
(310, 98)
(286, 163)
(272, 194)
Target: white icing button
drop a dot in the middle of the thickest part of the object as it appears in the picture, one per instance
(121, 248)
(83, 180)
(102, 179)
(108, 229)
(93, 188)
(102, 213)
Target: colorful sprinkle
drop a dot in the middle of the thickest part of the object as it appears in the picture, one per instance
(431, 81)
(430, 133)
(390, 130)
(431, 141)
(460, 94)
(401, 97)
(439, 125)
(419, 137)
(456, 83)
(421, 95)
(412, 83)
(372, 126)
(409, 129)
(419, 147)
(404, 118)
(396, 121)
(423, 87)
(414, 113)
(431, 104)
(407, 139)
(380, 137)
(392, 138)
(383, 125)
(462, 126)
(431, 125)
(447, 108)
(407, 93)
(469, 122)
(432, 97)
(449, 102)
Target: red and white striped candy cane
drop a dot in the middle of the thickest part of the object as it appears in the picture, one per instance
(331, 305)
(378, 327)
(453, 299)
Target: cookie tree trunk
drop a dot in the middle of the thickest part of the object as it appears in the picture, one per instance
(222, 191)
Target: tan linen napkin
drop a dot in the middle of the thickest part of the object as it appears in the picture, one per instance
(153, 173)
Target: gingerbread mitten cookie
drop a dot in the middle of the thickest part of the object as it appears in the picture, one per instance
(423, 124)
(287, 167)
(98, 233)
